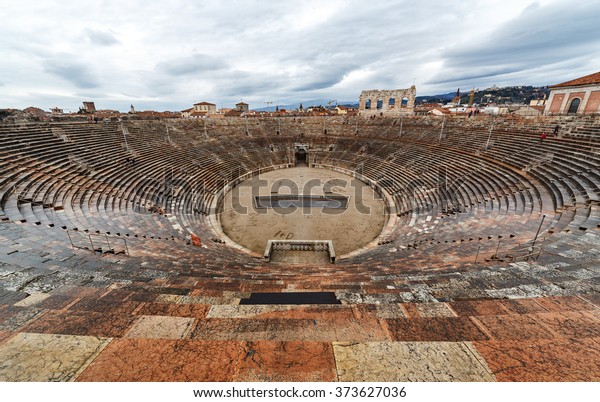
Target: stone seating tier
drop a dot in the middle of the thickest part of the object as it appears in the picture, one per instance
(462, 276)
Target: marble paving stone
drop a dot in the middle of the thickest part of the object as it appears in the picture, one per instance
(409, 361)
(411, 310)
(44, 357)
(392, 310)
(522, 306)
(514, 327)
(225, 299)
(570, 303)
(139, 293)
(571, 323)
(362, 311)
(542, 360)
(286, 361)
(165, 298)
(206, 293)
(281, 311)
(290, 329)
(174, 310)
(220, 286)
(261, 287)
(11, 297)
(164, 360)
(477, 307)
(4, 335)
(595, 313)
(81, 323)
(117, 294)
(429, 310)
(245, 311)
(158, 327)
(32, 299)
(141, 296)
(104, 306)
(56, 301)
(13, 318)
(182, 281)
(79, 291)
(7, 311)
(593, 298)
(434, 329)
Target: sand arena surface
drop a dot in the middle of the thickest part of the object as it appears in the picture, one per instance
(349, 228)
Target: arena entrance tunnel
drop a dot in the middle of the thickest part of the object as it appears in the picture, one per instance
(301, 154)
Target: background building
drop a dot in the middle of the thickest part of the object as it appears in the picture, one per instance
(242, 107)
(578, 96)
(205, 107)
(89, 107)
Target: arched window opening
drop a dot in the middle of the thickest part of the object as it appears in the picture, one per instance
(574, 105)
(404, 102)
(379, 104)
(368, 104)
(392, 102)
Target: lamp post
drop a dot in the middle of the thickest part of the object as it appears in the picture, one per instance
(487, 144)
(124, 130)
(538, 231)
(401, 121)
(268, 103)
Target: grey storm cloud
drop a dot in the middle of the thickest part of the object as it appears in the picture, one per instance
(540, 36)
(321, 78)
(73, 71)
(237, 83)
(287, 50)
(101, 38)
(194, 64)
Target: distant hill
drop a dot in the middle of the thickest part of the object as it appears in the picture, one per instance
(435, 98)
(306, 104)
(515, 94)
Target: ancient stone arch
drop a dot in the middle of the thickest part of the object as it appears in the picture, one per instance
(381, 100)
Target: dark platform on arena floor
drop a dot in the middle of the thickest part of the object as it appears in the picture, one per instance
(292, 298)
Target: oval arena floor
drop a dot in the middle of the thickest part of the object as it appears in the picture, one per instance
(113, 266)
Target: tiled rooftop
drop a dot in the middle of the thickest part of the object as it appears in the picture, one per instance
(591, 79)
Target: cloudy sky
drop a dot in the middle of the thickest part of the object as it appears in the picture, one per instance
(166, 55)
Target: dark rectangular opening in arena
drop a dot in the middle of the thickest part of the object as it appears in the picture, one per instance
(301, 201)
(292, 298)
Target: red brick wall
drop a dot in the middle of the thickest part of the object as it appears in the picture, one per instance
(556, 102)
(593, 103)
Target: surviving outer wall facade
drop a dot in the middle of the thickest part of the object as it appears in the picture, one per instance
(392, 102)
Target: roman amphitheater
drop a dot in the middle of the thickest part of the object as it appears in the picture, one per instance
(300, 249)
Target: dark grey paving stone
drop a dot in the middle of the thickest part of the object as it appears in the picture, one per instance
(11, 297)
